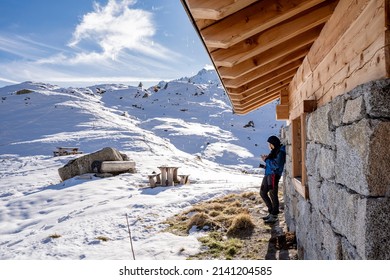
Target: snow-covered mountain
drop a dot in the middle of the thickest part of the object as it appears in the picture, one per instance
(193, 114)
(186, 123)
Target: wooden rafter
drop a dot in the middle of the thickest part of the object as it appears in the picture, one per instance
(257, 47)
(292, 60)
(304, 40)
(253, 20)
(272, 37)
(256, 103)
(283, 73)
(276, 87)
(216, 10)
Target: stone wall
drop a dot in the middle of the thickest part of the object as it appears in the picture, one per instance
(347, 215)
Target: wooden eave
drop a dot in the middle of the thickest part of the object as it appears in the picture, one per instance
(257, 46)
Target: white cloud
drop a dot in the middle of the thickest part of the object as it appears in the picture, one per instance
(116, 28)
(24, 47)
(8, 80)
(115, 43)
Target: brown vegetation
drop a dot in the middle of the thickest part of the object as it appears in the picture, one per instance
(234, 229)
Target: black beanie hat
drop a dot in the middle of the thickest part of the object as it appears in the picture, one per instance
(274, 141)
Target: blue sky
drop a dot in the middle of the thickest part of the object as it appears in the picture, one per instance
(85, 42)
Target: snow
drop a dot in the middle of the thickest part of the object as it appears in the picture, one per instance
(187, 123)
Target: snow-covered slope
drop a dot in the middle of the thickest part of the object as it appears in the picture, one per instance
(186, 123)
(194, 114)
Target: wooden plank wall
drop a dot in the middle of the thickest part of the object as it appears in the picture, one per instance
(352, 49)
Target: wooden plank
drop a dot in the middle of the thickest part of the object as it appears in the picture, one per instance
(272, 37)
(252, 20)
(271, 89)
(387, 37)
(296, 148)
(346, 12)
(285, 49)
(117, 166)
(282, 77)
(282, 112)
(216, 9)
(261, 95)
(357, 72)
(284, 97)
(303, 149)
(203, 23)
(359, 56)
(290, 61)
(255, 104)
(303, 190)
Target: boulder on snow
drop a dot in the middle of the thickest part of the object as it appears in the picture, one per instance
(83, 164)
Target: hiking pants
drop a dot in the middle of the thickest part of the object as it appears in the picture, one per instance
(269, 193)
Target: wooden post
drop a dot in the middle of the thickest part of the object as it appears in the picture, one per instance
(163, 175)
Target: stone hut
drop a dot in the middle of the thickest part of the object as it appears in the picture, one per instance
(328, 64)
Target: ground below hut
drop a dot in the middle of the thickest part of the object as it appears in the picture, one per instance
(233, 228)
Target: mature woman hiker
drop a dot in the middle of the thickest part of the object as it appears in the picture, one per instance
(274, 165)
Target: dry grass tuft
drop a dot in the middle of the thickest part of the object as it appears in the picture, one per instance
(103, 238)
(214, 206)
(235, 203)
(231, 232)
(249, 195)
(200, 220)
(242, 223)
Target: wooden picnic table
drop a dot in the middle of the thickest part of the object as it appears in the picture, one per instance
(167, 177)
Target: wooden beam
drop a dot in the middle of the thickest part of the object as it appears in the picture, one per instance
(309, 106)
(265, 81)
(387, 37)
(255, 105)
(203, 23)
(290, 46)
(263, 93)
(282, 112)
(272, 37)
(303, 149)
(289, 61)
(275, 84)
(284, 97)
(296, 146)
(347, 12)
(216, 9)
(252, 20)
(358, 56)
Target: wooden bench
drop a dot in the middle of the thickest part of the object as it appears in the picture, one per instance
(154, 179)
(117, 167)
(184, 179)
(65, 151)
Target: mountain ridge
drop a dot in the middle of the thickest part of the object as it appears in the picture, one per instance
(192, 113)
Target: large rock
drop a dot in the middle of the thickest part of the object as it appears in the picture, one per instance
(326, 160)
(354, 110)
(319, 125)
(376, 96)
(361, 159)
(83, 164)
(337, 111)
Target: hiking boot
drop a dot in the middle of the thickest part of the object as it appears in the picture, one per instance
(272, 219)
(266, 217)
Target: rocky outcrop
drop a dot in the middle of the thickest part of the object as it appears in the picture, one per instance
(84, 163)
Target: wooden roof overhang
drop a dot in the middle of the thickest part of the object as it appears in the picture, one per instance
(257, 46)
